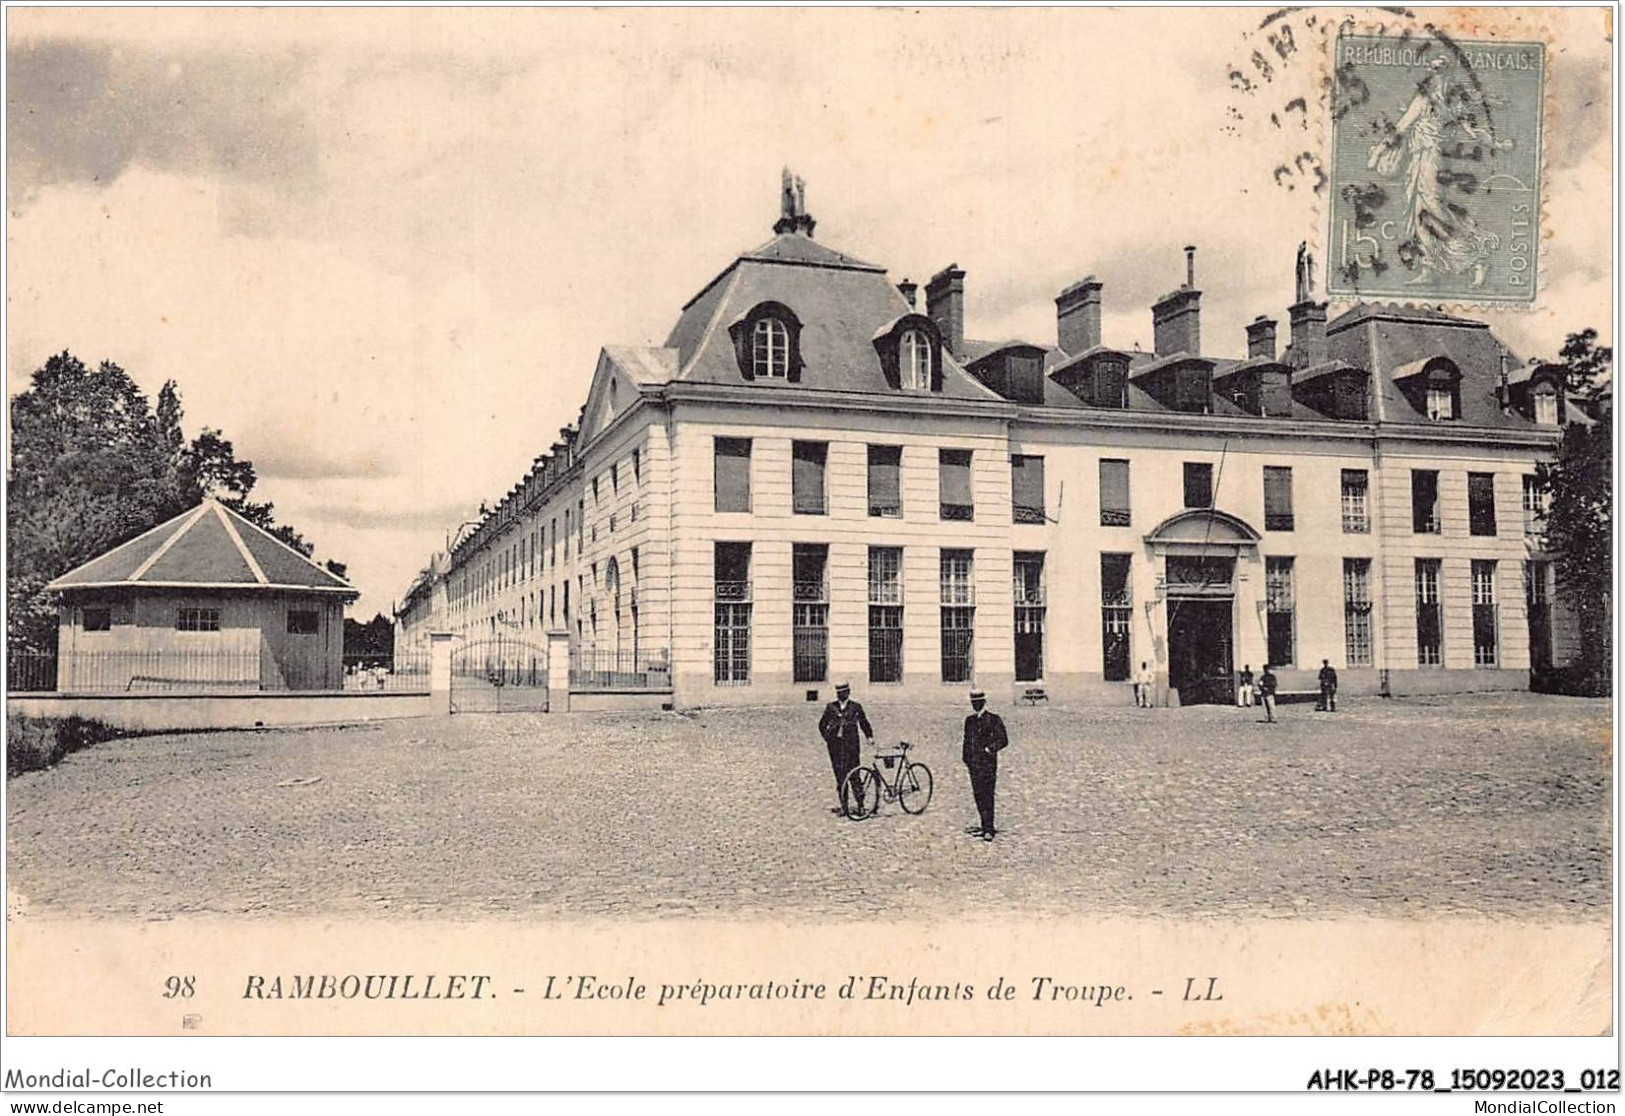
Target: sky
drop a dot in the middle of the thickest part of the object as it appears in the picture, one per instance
(381, 249)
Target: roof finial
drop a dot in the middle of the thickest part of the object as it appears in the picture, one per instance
(1305, 291)
(793, 215)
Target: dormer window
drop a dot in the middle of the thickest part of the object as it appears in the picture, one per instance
(914, 360)
(910, 352)
(770, 349)
(767, 344)
(1545, 398)
(1441, 403)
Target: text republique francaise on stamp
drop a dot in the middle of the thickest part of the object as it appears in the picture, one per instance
(1436, 169)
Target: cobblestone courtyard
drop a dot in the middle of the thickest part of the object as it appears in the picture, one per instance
(1494, 805)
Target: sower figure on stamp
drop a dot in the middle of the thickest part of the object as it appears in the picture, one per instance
(1328, 686)
(839, 726)
(985, 738)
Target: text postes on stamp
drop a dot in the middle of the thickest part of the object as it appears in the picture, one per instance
(1436, 169)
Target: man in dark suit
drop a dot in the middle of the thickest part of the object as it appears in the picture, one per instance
(1328, 686)
(985, 738)
(839, 726)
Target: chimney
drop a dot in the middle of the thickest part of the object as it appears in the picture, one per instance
(1176, 318)
(1261, 338)
(908, 287)
(1308, 346)
(945, 305)
(1077, 316)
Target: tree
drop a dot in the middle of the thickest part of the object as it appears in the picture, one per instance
(94, 464)
(1579, 514)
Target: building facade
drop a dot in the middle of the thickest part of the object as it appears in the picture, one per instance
(818, 479)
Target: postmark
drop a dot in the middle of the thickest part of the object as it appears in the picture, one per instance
(1435, 169)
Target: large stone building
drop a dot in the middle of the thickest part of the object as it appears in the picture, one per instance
(816, 478)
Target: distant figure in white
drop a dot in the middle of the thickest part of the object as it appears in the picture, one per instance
(1442, 234)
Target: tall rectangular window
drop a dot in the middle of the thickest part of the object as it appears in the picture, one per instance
(1028, 578)
(953, 485)
(885, 614)
(1481, 503)
(885, 481)
(1429, 615)
(1357, 611)
(731, 598)
(1027, 487)
(1198, 484)
(807, 477)
(1116, 616)
(810, 611)
(1486, 619)
(1278, 498)
(1279, 595)
(732, 474)
(1538, 608)
(958, 582)
(1114, 493)
(1534, 507)
(1441, 402)
(1356, 505)
(637, 467)
(1425, 501)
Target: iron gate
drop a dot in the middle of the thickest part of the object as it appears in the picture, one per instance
(499, 674)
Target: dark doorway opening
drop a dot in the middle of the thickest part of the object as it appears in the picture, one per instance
(1200, 662)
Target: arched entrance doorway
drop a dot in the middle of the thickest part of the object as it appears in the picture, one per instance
(1199, 552)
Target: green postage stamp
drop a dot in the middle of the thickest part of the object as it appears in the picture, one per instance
(1436, 169)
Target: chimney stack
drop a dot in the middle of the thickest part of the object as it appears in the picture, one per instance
(1077, 316)
(1308, 345)
(945, 305)
(908, 287)
(1261, 338)
(1176, 318)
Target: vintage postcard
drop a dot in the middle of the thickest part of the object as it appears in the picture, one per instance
(809, 522)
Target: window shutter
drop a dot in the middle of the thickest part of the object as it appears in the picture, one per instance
(1027, 488)
(1277, 498)
(1114, 506)
(733, 474)
(807, 480)
(885, 467)
(953, 478)
(1481, 503)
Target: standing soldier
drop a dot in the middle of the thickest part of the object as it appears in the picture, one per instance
(985, 738)
(839, 727)
(1244, 687)
(1266, 693)
(1145, 684)
(1328, 686)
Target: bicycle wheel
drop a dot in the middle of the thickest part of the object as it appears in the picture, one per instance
(860, 794)
(914, 788)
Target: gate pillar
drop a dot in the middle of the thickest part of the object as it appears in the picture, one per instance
(440, 670)
(558, 671)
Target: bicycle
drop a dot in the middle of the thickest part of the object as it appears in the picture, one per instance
(910, 786)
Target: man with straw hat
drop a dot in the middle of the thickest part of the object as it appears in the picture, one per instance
(985, 738)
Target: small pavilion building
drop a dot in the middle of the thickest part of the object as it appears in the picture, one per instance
(206, 601)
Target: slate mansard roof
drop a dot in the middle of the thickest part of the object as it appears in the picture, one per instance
(841, 302)
(208, 547)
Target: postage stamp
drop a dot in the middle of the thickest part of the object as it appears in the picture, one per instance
(1436, 169)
